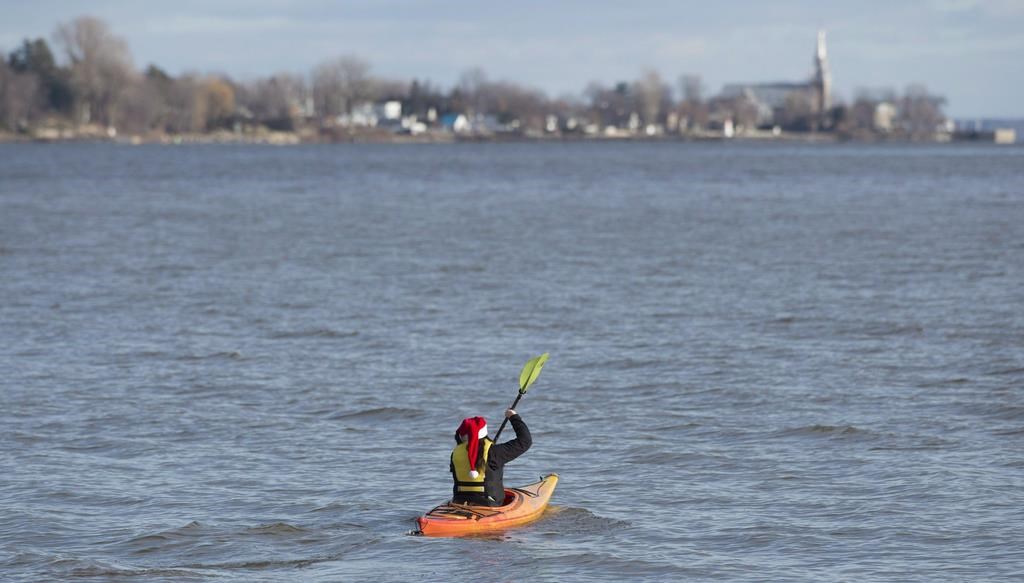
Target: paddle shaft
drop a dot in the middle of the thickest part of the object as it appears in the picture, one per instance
(514, 403)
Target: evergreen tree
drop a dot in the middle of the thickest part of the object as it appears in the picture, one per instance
(36, 58)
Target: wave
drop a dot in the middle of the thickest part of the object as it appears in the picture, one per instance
(275, 528)
(378, 412)
(462, 268)
(672, 315)
(842, 431)
(893, 329)
(1017, 431)
(109, 571)
(193, 536)
(616, 564)
(1009, 412)
(676, 426)
(944, 382)
(575, 520)
(191, 529)
(633, 364)
(312, 333)
(1006, 371)
(265, 564)
(143, 354)
(226, 355)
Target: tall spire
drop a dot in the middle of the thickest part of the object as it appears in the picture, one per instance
(822, 76)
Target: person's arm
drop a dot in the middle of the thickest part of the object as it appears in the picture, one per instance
(502, 453)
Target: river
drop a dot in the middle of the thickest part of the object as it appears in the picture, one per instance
(768, 361)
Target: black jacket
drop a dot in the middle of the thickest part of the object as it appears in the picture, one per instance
(499, 455)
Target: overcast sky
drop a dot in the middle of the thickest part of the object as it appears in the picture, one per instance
(971, 51)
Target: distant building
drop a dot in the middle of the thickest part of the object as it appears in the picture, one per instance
(884, 116)
(1005, 136)
(456, 122)
(769, 98)
(822, 82)
(390, 110)
(772, 100)
(476, 124)
(999, 131)
(370, 115)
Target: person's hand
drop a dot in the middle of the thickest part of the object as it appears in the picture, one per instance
(509, 413)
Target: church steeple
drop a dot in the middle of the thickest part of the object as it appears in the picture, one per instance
(822, 77)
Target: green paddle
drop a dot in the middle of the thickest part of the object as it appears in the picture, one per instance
(530, 373)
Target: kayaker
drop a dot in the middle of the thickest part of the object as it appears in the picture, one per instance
(478, 464)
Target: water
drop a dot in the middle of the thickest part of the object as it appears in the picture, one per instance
(767, 361)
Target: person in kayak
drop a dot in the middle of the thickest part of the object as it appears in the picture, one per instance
(478, 464)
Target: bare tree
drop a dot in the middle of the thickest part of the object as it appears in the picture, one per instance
(276, 102)
(610, 106)
(470, 84)
(216, 99)
(653, 96)
(861, 116)
(423, 96)
(799, 112)
(509, 102)
(512, 102)
(390, 89)
(740, 109)
(338, 84)
(101, 67)
(692, 89)
(143, 107)
(571, 111)
(18, 97)
(179, 94)
(693, 111)
(920, 113)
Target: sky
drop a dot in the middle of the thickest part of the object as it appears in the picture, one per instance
(970, 51)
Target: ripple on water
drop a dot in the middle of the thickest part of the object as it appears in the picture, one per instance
(105, 571)
(312, 333)
(224, 355)
(1006, 371)
(276, 528)
(574, 520)
(382, 413)
(788, 415)
(201, 547)
(839, 431)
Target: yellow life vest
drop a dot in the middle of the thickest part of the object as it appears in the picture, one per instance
(464, 482)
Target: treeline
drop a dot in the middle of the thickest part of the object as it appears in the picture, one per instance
(94, 83)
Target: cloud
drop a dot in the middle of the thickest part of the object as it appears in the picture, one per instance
(898, 45)
(955, 5)
(9, 40)
(997, 8)
(213, 25)
(668, 46)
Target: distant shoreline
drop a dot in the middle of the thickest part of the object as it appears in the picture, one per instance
(306, 138)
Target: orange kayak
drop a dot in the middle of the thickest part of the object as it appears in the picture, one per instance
(522, 505)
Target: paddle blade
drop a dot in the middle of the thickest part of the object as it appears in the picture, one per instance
(530, 372)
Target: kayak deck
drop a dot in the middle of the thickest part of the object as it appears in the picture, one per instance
(524, 504)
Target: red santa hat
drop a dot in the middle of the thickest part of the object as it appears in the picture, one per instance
(472, 429)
